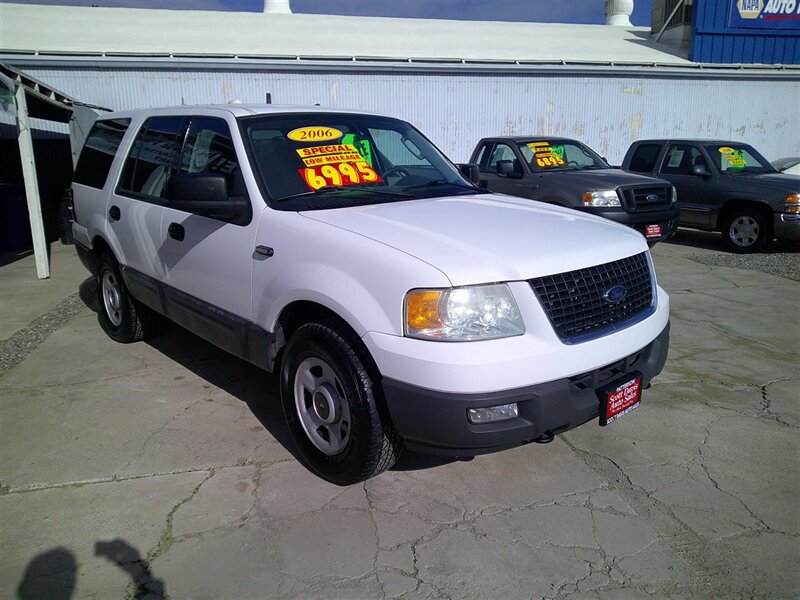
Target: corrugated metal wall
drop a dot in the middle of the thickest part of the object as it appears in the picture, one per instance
(715, 42)
(455, 111)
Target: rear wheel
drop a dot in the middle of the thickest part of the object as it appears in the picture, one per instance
(331, 400)
(121, 316)
(746, 229)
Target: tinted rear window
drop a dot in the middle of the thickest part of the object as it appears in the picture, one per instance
(644, 158)
(98, 152)
(153, 157)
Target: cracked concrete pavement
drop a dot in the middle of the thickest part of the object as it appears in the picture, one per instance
(164, 470)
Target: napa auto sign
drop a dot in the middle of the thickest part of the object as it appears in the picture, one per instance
(765, 14)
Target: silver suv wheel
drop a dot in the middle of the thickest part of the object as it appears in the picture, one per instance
(112, 298)
(322, 406)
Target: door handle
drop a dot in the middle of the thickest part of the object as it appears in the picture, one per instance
(176, 231)
(114, 213)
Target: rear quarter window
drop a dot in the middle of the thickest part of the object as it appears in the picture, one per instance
(98, 152)
(644, 158)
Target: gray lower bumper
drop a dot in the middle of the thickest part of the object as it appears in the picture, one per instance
(787, 226)
(436, 422)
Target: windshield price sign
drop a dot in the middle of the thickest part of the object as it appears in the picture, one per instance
(544, 155)
(335, 165)
(764, 14)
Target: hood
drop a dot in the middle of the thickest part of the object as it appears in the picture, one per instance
(779, 183)
(609, 179)
(488, 238)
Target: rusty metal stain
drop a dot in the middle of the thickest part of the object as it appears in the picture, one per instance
(632, 90)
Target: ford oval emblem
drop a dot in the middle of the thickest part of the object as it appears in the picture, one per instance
(651, 197)
(615, 294)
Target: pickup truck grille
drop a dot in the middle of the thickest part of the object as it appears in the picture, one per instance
(650, 198)
(575, 303)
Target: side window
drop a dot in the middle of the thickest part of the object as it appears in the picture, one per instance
(482, 156)
(209, 149)
(500, 152)
(98, 152)
(681, 158)
(153, 157)
(644, 158)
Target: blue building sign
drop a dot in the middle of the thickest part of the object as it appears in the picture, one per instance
(746, 32)
(764, 14)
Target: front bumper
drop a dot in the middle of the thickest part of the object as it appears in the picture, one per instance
(436, 422)
(787, 226)
(667, 219)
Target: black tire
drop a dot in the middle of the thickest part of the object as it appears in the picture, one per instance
(360, 441)
(121, 316)
(746, 229)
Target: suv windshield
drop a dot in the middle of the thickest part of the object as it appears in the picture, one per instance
(328, 160)
(560, 155)
(738, 159)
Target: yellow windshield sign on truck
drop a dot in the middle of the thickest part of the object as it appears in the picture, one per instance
(314, 133)
(545, 156)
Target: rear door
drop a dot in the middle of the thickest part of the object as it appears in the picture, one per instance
(136, 205)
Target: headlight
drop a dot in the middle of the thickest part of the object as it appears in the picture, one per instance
(481, 312)
(792, 203)
(602, 198)
(674, 195)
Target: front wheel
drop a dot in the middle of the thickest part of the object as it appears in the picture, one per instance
(746, 230)
(330, 399)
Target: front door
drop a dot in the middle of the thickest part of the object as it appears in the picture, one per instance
(207, 261)
(503, 184)
(696, 194)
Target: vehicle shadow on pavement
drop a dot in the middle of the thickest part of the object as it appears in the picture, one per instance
(250, 384)
(710, 240)
(707, 240)
(53, 574)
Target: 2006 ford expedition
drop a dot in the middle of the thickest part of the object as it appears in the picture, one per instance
(398, 303)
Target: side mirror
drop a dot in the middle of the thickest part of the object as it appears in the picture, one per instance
(700, 171)
(509, 168)
(470, 172)
(205, 195)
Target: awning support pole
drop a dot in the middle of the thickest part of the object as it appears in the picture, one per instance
(31, 185)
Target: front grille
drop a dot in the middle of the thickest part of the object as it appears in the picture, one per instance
(574, 301)
(638, 201)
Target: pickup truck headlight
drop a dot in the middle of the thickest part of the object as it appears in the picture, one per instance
(792, 203)
(601, 198)
(674, 195)
(481, 312)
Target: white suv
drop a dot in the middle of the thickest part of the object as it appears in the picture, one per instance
(399, 303)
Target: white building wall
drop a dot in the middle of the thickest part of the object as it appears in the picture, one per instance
(455, 110)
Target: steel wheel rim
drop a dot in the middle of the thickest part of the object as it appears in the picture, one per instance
(112, 298)
(744, 231)
(322, 406)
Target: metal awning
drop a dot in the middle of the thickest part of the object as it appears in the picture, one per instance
(34, 99)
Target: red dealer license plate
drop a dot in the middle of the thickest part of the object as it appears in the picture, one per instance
(619, 400)
(652, 231)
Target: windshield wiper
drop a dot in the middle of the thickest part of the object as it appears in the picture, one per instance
(327, 189)
(438, 182)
